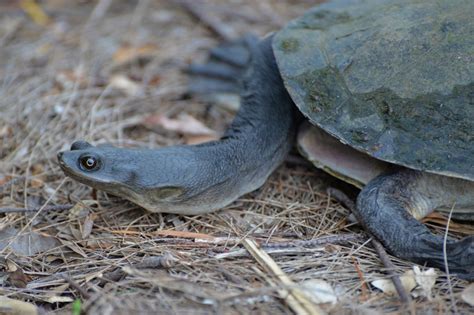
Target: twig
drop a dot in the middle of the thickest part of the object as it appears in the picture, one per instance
(295, 298)
(332, 239)
(86, 295)
(347, 202)
(270, 251)
(342, 198)
(404, 297)
(89, 299)
(445, 257)
(221, 30)
(294, 247)
(196, 238)
(47, 208)
(11, 182)
(364, 288)
(164, 261)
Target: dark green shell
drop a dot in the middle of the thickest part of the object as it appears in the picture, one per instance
(394, 79)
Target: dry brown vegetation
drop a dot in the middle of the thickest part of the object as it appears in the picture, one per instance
(104, 73)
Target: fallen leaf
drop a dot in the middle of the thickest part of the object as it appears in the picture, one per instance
(127, 53)
(87, 226)
(95, 243)
(80, 214)
(72, 246)
(76, 233)
(36, 183)
(79, 210)
(15, 307)
(425, 281)
(440, 219)
(319, 291)
(11, 265)
(386, 285)
(154, 81)
(37, 169)
(184, 124)
(18, 279)
(60, 289)
(124, 84)
(35, 12)
(27, 244)
(67, 79)
(6, 131)
(21, 153)
(467, 294)
(52, 258)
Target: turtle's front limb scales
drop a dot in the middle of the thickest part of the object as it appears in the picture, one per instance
(390, 205)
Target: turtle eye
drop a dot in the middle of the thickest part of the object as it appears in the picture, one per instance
(89, 163)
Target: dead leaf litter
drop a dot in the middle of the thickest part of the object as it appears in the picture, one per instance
(111, 72)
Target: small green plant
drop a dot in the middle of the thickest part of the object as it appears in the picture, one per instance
(76, 307)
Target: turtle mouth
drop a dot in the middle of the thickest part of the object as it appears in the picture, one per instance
(62, 164)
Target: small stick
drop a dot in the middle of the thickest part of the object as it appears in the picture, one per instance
(347, 202)
(342, 198)
(296, 298)
(363, 287)
(47, 208)
(331, 239)
(276, 248)
(404, 297)
(86, 295)
(223, 31)
(11, 182)
(164, 261)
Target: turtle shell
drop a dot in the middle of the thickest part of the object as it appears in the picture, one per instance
(394, 79)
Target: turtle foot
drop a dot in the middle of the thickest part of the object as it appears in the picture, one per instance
(385, 208)
(457, 257)
(224, 69)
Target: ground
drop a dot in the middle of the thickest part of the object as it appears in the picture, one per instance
(112, 72)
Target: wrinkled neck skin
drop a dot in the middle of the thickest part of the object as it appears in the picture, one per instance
(206, 177)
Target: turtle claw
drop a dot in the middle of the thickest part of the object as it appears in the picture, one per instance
(225, 68)
(214, 70)
(460, 256)
(457, 257)
(382, 207)
(235, 53)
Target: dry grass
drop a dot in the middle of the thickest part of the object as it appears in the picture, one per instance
(56, 88)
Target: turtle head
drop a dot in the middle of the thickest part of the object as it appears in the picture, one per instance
(102, 167)
(162, 180)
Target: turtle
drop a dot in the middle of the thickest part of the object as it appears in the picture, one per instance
(379, 93)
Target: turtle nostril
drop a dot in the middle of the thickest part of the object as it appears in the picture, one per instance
(60, 155)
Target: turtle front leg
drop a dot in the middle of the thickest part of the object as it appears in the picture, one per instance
(390, 205)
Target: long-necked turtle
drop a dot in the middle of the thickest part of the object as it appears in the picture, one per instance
(389, 80)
